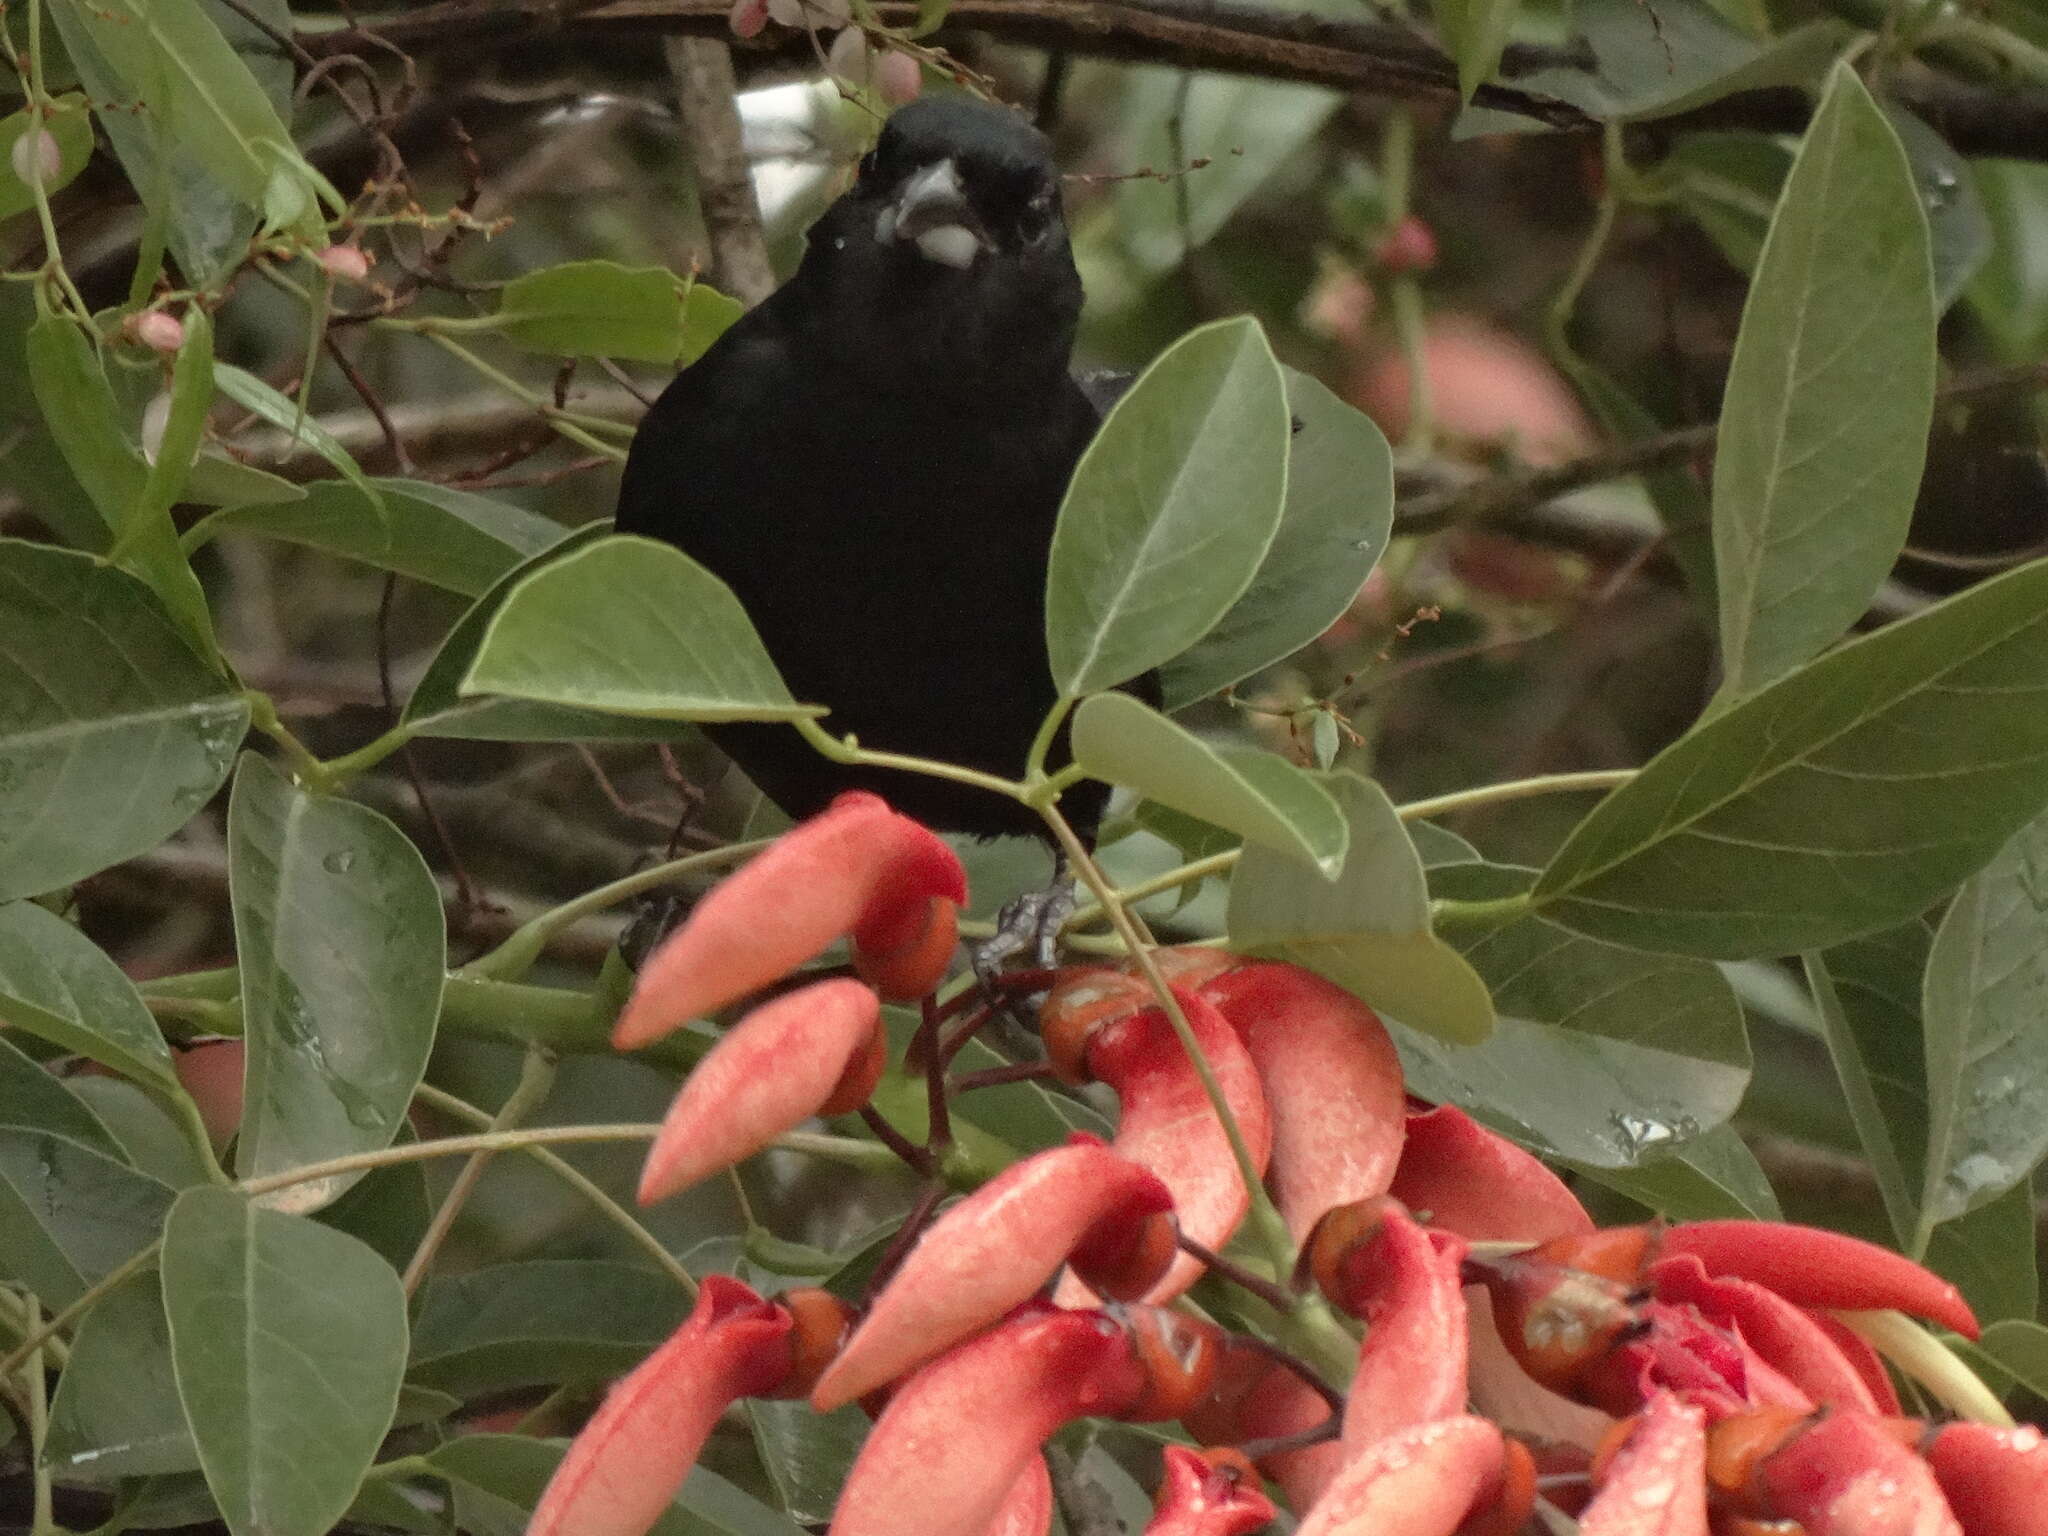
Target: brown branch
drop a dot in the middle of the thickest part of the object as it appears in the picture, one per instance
(705, 102)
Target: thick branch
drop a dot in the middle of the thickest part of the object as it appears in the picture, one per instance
(705, 101)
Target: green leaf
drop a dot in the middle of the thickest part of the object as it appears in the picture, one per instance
(510, 1471)
(116, 732)
(1730, 184)
(289, 1344)
(594, 309)
(79, 406)
(339, 932)
(1256, 794)
(1824, 423)
(633, 627)
(806, 1454)
(147, 524)
(69, 126)
(1603, 1055)
(1333, 528)
(1867, 993)
(1243, 129)
(198, 91)
(32, 1099)
(540, 1322)
(69, 1215)
(1475, 31)
(388, 1208)
(1171, 509)
(1842, 799)
(219, 481)
(116, 1413)
(1985, 1006)
(432, 533)
(145, 1135)
(1957, 225)
(2019, 1346)
(31, 463)
(1674, 491)
(57, 983)
(1712, 1176)
(707, 315)
(1989, 1253)
(436, 709)
(1367, 930)
(252, 394)
(2010, 292)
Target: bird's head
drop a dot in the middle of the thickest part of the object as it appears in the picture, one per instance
(955, 231)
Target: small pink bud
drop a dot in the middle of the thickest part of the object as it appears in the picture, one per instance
(898, 77)
(1410, 246)
(748, 17)
(156, 330)
(349, 263)
(36, 157)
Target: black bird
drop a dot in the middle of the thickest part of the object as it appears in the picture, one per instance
(874, 458)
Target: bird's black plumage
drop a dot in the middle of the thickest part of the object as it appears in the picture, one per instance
(874, 458)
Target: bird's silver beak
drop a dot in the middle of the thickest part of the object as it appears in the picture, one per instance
(932, 212)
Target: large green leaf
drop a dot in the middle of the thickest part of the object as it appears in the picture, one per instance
(437, 709)
(1824, 423)
(1985, 1006)
(115, 731)
(1842, 799)
(540, 1322)
(116, 1413)
(288, 1340)
(1255, 794)
(1171, 509)
(1602, 1054)
(432, 533)
(1958, 226)
(1339, 509)
(69, 1214)
(1990, 1254)
(806, 1454)
(1867, 993)
(57, 983)
(79, 406)
(201, 95)
(594, 309)
(2009, 295)
(339, 932)
(252, 394)
(35, 1099)
(635, 627)
(1714, 1175)
(1368, 930)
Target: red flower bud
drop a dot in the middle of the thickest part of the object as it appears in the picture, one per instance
(857, 868)
(629, 1460)
(1167, 1124)
(1208, 1495)
(1180, 1356)
(1421, 1481)
(1810, 1267)
(1457, 1175)
(999, 1246)
(1404, 1281)
(818, 1326)
(1332, 1081)
(1849, 1475)
(817, 1050)
(1655, 1483)
(1996, 1480)
(957, 1435)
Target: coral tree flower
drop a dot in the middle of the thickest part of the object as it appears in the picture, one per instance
(1208, 1495)
(630, 1459)
(856, 870)
(816, 1051)
(1080, 1204)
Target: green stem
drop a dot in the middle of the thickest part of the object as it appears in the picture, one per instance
(448, 1104)
(1266, 1221)
(181, 1108)
(1480, 914)
(840, 751)
(112, 1280)
(1565, 305)
(1930, 1362)
(536, 1081)
(516, 956)
(447, 1146)
(339, 770)
(263, 716)
(1048, 731)
(2022, 57)
(38, 1392)
(566, 423)
(1515, 789)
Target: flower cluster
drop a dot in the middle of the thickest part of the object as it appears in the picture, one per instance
(1655, 1380)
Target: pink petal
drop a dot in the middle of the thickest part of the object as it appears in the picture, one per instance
(1996, 1480)
(1657, 1483)
(1420, 1481)
(1458, 1175)
(1404, 1282)
(1197, 1498)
